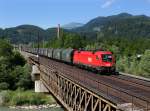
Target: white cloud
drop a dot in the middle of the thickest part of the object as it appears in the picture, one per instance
(107, 4)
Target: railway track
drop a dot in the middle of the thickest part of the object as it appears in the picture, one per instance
(138, 81)
(119, 89)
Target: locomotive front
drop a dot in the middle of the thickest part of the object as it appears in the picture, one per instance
(107, 61)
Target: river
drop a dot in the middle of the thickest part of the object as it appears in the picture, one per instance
(48, 109)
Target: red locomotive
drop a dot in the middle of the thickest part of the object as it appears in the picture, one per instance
(102, 61)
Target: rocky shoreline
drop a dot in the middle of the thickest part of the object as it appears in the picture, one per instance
(35, 107)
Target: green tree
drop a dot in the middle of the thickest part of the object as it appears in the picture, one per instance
(145, 63)
(17, 59)
(5, 48)
(122, 64)
(25, 78)
(13, 71)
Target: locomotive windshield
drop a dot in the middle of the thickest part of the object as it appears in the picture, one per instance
(107, 57)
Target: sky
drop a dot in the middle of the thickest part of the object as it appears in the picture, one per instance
(49, 13)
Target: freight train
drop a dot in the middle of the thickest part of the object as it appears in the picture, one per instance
(100, 61)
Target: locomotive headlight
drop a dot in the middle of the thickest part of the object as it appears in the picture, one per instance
(108, 64)
(109, 56)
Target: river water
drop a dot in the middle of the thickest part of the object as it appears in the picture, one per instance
(48, 109)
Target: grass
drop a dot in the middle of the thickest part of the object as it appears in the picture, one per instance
(20, 97)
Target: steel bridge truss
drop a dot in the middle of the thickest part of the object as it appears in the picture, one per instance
(71, 95)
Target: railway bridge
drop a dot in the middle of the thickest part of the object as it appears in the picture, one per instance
(80, 90)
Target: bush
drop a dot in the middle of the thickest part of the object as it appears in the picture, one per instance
(145, 64)
(17, 59)
(5, 48)
(4, 86)
(123, 64)
(21, 97)
(4, 97)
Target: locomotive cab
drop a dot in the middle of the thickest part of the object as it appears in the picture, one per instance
(108, 62)
(107, 57)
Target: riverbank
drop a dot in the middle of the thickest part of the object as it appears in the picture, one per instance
(21, 99)
(35, 107)
(44, 109)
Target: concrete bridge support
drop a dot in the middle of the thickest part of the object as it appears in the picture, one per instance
(39, 86)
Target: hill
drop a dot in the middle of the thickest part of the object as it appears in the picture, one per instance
(52, 32)
(24, 33)
(28, 33)
(121, 25)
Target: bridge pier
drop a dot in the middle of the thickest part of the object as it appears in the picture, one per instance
(38, 84)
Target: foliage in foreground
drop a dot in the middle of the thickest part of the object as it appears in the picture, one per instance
(14, 72)
(21, 97)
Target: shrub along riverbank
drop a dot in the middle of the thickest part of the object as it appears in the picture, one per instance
(21, 97)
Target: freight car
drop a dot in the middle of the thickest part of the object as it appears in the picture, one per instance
(67, 55)
(101, 61)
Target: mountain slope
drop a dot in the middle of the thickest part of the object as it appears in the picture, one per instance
(25, 34)
(29, 33)
(123, 25)
(52, 32)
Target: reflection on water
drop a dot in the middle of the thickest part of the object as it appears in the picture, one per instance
(49, 109)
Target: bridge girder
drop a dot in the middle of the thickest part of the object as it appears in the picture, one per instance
(71, 95)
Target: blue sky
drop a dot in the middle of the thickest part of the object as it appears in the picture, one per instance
(48, 13)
